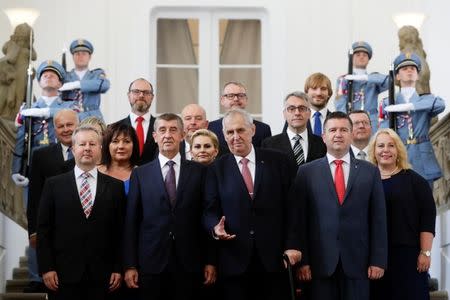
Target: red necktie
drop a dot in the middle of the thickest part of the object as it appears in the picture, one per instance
(247, 176)
(140, 133)
(339, 181)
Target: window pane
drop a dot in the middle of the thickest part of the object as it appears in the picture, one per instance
(251, 78)
(176, 88)
(177, 41)
(240, 42)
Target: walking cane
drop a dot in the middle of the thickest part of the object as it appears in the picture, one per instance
(291, 277)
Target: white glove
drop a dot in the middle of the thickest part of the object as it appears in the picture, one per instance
(20, 180)
(399, 107)
(357, 77)
(36, 112)
(68, 86)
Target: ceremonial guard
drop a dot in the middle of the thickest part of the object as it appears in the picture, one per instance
(50, 76)
(82, 85)
(413, 114)
(366, 87)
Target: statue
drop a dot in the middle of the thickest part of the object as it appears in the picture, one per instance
(13, 71)
(409, 41)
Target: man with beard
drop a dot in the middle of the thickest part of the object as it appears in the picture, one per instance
(318, 88)
(140, 95)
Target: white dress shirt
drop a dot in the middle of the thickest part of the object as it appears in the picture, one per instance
(345, 165)
(65, 151)
(251, 163)
(165, 168)
(145, 122)
(92, 180)
(303, 140)
(187, 150)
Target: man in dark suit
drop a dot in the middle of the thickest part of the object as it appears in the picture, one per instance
(47, 162)
(342, 218)
(234, 95)
(247, 210)
(140, 95)
(166, 249)
(79, 226)
(362, 131)
(300, 145)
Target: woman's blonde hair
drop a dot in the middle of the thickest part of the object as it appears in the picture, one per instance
(402, 155)
(207, 133)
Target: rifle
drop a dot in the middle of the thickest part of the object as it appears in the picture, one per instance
(350, 82)
(26, 155)
(63, 60)
(392, 115)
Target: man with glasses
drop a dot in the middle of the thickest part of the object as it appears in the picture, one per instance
(297, 142)
(362, 131)
(140, 95)
(234, 95)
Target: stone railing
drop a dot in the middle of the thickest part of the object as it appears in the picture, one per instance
(440, 138)
(11, 203)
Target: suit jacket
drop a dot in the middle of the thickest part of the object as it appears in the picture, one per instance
(280, 142)
(72, 245)
(150, 146)
(222, 150)
(262, 224)
(262, 131)
(354, 232)
(46, 162)
(153, 227)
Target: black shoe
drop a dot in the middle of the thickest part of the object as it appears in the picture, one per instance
(35, 287)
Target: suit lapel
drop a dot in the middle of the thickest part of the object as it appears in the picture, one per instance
(259, 169)
(182, 180)
(236, 175)
(286, 145)
(155, 169)
(325, 171)
(354, 170)
(74, 191)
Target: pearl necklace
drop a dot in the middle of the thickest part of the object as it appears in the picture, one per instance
(389, 174)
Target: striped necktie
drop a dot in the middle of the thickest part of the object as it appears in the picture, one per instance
(299, 155)
(85, 194)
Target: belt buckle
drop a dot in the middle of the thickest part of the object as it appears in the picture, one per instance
(411, 141)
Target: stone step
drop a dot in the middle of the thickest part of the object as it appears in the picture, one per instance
(16, 285)
(23, 296)
(23, 261)
(439, 295)
(20, 273)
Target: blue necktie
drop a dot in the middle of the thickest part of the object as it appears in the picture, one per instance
(69, 153)
(317, 124)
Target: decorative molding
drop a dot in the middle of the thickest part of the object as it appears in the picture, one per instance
(11, 200)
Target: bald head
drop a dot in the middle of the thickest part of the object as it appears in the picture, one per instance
(194, 118)
(65, 121)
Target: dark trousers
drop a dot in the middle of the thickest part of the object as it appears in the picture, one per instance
(256, 283)
(84, 290)
(340, 287)
(171, 284)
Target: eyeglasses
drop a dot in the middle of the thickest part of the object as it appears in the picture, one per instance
(137, 92)
(231, 96)
(364, 123)
(301, 108)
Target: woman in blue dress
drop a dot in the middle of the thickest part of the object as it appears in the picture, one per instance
(120, 152)
(411, 216)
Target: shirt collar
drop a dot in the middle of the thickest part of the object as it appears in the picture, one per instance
(49, 100)
(146, 117)
(359, 71)
(356, 150)
(345, 158)
(93, 172)
(291, 134)
(163, 160)
(323, 112)
(251, 156)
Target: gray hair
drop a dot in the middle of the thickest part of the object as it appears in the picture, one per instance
(85, 128)
(297, 94)
(237, 111)
(169, 117)
(65, 111)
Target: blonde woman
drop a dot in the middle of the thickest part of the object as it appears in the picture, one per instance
(204, 146)
(411, 215)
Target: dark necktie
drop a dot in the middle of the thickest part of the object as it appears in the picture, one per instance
(317, 124)
(247, 176)
(361, 155)
(299, 155)
(170, 183)
(69, 153)
(339, 181)
(140, 133)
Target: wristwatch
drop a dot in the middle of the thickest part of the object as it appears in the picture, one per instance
(427, 253)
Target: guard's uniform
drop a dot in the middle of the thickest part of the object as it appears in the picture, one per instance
(413, 125)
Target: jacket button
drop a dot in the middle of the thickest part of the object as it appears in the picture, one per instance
(252, 232)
